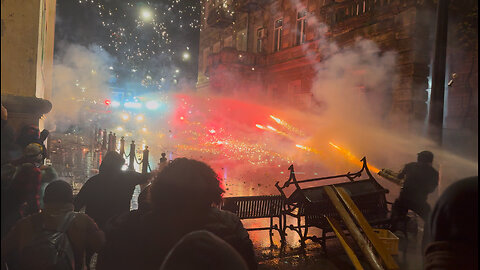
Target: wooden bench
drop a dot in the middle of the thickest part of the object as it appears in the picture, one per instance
(256, 207)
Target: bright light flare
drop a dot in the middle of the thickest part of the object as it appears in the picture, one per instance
(146, 14)
(152, 105)
(144, 129)
(352, 158)
(119, 129)
(186, 56)
(308, 149)
(287, 126)
(140, 118)
(133, 105)
(260, 126)
(125, 116)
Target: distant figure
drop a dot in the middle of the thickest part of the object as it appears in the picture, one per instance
(202, 250)
(108, 193)
(163, 162)
(27, 245)
(183, 196)
(453, 228)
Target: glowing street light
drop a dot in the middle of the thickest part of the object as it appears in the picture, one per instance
(186, 56)
(140, 118)
(125, 117)
(146, 14)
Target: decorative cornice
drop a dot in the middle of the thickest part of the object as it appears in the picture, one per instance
(30, 105)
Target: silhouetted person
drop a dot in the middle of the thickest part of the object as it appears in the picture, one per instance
(202, 250)
(31, 134)
(182, 196)
(21, 186)
(453, 228)
(108, 193)
(81, 230)
(9, 148)
(420, 180)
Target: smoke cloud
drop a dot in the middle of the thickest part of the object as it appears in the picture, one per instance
(81, 78)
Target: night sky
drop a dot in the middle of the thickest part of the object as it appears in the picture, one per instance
(151, 41)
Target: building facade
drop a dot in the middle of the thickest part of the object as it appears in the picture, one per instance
(272, 45)
(27, 41)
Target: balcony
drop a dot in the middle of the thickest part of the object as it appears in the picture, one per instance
(231, 58)
(349, 10)
(251, 5)
(219, 18)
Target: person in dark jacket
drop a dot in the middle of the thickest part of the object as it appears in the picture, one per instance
(9, 149)
(108, 193)
(453, 228)
(183, 198)
(421, 179)
(82, 232)
(21, 186)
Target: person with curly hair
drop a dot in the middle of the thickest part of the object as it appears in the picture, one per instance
(182, 197)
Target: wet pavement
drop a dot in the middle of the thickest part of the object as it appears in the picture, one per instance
(313, 257)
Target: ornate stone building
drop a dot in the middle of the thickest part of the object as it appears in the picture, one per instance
(271, 45)
(27, 59)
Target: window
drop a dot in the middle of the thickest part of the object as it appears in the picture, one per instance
(277, 35)
(260, 35)
(227, 42)
(206, 52)
(242, 40)
(216, 47)
(301, 27)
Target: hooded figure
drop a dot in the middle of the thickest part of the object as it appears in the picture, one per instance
(112, 181)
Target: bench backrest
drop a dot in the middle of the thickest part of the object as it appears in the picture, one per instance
(372, 205)
(254, 206)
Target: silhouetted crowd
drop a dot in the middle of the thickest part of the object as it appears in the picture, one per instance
(177, 224)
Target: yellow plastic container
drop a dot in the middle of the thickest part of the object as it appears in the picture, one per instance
(389, 239)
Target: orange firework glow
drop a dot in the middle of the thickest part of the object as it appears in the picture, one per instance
(287, 126)
(352, 158)
(308, 149)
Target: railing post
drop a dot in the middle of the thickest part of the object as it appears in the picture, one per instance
(110, 140)
(114, 142)
(122, 146)
(145, 160)
(131, 156)
(104, 140)
(98, 139)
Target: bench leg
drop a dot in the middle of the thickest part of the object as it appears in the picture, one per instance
(281, 231)
(323, 241)
(270, 232)
(302, 234)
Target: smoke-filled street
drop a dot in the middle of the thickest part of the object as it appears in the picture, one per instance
(239, 134)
